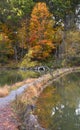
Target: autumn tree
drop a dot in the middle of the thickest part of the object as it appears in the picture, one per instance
(41, 32)
(66, 12)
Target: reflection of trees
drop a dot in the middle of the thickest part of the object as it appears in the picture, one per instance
(59, 106)
(47, 100)
(67, 114)
(68, 87)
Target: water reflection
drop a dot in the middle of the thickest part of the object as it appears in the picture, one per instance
(58, 107)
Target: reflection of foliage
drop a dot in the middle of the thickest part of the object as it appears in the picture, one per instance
(70, 90)
(47, 100)
(56, 106)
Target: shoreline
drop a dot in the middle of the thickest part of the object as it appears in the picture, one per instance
(43, 81)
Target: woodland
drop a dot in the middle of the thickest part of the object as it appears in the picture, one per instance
(34, 34)
(39, 32)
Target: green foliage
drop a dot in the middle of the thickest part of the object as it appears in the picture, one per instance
(15, 10)
(9, 78)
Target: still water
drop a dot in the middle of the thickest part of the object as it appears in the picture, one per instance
(9, 77)
(58, 107)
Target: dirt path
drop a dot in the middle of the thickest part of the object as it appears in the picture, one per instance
(7, 120)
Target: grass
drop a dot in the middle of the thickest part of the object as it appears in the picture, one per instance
(4, 91)
(19, 84)
(19, 108)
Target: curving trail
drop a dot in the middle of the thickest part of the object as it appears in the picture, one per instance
(7, 117)
(56, 74)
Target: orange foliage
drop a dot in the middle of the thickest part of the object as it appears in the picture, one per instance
(41, 31)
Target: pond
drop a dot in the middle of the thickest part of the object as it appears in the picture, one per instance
(11, 76)
(58, 107)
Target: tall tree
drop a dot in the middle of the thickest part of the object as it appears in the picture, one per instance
(41, 31)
